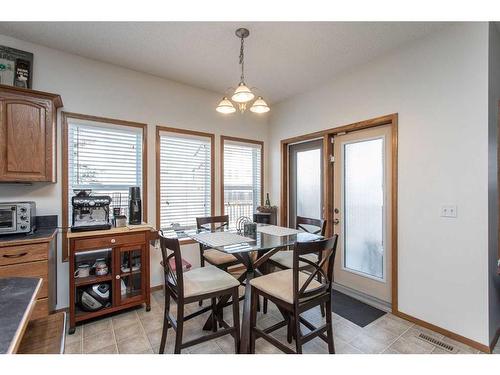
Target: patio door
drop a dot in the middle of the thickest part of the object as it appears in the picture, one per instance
(362, 212)
(306, 180)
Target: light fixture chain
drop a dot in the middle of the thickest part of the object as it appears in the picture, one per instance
(242, 60)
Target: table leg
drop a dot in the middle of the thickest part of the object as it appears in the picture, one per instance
(245, 259)
(245, 323)
(249, 274)
(220, 305)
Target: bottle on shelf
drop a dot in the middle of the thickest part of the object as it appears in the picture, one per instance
(268, 202)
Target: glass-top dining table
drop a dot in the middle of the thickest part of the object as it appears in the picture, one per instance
(253, 253)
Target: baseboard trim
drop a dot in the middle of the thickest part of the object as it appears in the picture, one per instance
(365, 298)
(495, 340)
(451, 335)
(64, 309)
(155, 288)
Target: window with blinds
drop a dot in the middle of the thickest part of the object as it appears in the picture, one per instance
(242, 179)
(104, 158)
(185, 179)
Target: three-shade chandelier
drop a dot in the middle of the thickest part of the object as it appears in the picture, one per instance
(242, 96)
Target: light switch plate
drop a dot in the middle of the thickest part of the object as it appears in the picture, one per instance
(449, 211)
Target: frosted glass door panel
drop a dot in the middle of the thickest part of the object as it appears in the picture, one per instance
(364, 207)
(306, 181)
(309, 183)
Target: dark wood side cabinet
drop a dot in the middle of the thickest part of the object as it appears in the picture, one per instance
(33, 256)
(28, 120)
(126, 254)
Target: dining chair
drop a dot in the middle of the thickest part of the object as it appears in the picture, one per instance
(284, 259)
(200, 283)
(295, 292)
(214, 257)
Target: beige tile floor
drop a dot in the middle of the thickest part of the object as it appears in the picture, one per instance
(139, 332)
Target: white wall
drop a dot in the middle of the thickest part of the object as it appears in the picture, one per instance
(99, 89)
(438, 85)
(493, 104)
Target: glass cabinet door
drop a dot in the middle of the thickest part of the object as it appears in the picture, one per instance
(131, 283)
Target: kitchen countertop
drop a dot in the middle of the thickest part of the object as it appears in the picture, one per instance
(126, 229)
(17, 300)
(40, 235)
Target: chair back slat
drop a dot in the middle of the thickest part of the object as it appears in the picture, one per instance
(170, 249)
(325, 249)
(318, 223)
(213, 222)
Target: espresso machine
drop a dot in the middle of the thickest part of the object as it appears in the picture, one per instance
(90, 212)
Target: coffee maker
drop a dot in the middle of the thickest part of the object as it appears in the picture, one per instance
(134, 205)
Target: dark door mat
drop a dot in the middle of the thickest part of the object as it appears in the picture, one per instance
(356, 311)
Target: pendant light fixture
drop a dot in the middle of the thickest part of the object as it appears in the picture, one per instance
(225, 106)
(242, 95)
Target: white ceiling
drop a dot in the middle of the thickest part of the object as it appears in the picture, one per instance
(281, 58)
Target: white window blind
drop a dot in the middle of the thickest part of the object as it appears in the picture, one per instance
(105, 158)
(242, 179)
(185, 179)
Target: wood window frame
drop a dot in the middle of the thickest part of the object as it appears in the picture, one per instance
(65, 116)
(211, 136)
(224, 138)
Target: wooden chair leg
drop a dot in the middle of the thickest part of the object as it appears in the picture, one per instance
(236, 320)
(214, 314)
(289, 329)
(180, 328)
(202, 264)
(298, 335)
(165, 322)
(329, 331)
(321, 307)
(267, 270)
(253, 319)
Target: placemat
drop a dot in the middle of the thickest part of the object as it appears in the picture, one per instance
(217, 239)
(277, 231)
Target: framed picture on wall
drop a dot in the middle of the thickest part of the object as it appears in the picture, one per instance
(16, 67)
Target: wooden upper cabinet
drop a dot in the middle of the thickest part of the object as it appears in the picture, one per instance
(28, 121)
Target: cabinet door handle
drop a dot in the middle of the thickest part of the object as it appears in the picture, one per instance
(15, 255)
(117, 277)
(113, 240)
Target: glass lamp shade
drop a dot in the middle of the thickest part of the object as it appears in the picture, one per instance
(259, 106)
(242, 94)
(225, 106)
